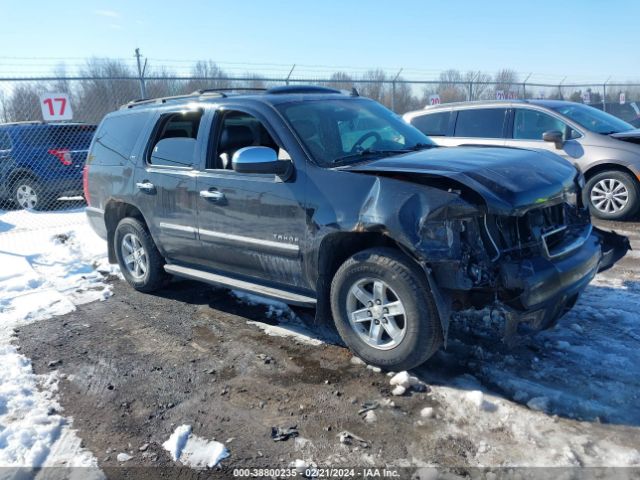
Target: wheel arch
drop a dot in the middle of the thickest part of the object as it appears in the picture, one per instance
(336, 248)
(116, 210)
(19, 173)
(609, 165)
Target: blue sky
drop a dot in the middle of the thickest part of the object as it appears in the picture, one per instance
(582, 39)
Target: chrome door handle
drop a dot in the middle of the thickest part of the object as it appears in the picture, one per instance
(212, 195)
(146, 186)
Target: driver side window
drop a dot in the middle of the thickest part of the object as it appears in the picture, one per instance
(239, 130)
(531, 124)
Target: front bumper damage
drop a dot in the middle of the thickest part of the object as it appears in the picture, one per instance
(550, 287)
(529, 288)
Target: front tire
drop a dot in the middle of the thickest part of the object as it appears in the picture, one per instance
(612, 195)
(140, 261)
(384, 311)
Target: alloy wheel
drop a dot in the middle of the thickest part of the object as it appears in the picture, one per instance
(376, 313)
(609, 196)
(134, 256)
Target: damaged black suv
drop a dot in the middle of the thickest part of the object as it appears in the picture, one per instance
(326, 199)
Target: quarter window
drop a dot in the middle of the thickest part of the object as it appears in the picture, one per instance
(481, 123)
(433, 124)
(119, 133)
(531, 124)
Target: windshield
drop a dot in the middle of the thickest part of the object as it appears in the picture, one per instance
(342, 131)
(593, 119)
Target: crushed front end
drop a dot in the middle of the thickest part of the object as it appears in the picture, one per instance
(530, 266)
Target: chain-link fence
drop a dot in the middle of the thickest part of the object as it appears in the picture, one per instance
(46, 124)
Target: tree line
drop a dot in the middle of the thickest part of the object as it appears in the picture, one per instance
(99, 91)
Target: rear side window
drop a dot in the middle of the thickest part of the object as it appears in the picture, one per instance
(434, 124)
(5, 141)
(481, 123)
(182, 125)
(118, 134)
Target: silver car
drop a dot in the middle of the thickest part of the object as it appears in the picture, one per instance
(605, 148)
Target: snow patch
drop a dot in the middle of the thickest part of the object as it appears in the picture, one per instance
(194, 451)
(44, 273)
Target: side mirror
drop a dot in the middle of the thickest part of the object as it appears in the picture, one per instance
(554, 136)
(260, 160)
(174, 152)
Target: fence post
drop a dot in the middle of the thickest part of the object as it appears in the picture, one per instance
(393, 90)
(286, 82)
(141, 69)
(470, 90)
(604, 97)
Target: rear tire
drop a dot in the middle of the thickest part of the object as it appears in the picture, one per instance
(28, 194)
(612, 195)
(140, 261)
(398, 337)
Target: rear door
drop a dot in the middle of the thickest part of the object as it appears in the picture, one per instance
(478, 126)
(166, 191)
(249, 224)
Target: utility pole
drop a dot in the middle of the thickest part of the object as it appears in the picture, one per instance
(141, 70)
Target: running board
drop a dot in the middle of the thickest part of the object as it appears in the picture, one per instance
(234, 283)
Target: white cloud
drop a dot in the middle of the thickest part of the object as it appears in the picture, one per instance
(107, 13)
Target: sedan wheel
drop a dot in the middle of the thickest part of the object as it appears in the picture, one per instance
(609, 196)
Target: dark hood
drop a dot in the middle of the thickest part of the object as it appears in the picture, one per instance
(509, 179)
(632, 135)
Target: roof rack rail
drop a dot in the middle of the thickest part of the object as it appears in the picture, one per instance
(221, 91)
(25, 122)
(301, 89)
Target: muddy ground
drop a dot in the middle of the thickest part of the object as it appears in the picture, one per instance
(137, 365)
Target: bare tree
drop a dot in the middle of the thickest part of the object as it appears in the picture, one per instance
(207, 75)
(341, 81)
(405, 100)
(506, 81)
(157, 86)
(450, 86)
(107, 89)
(478, 84)
(374, 86)
(23, 104)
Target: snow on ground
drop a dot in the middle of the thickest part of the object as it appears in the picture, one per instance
(289, 325)
(50, 264)
(194, 451)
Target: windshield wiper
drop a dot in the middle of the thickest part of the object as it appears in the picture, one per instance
(422, 146)
(368, 152)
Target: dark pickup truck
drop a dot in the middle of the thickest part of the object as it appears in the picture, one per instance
(329, 200)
